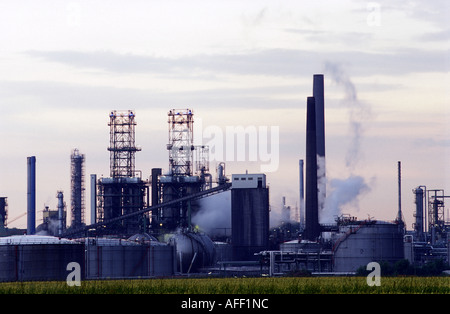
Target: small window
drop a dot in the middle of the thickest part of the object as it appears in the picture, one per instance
(236, 179)
(251, 178)
(243, 179)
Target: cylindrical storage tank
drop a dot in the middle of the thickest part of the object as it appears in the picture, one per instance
(116, 258)
(224, 252)
(193, 251)
(368, 242)
(31, 257)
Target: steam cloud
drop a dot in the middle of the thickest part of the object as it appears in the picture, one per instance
(214, 216)
(347, 191)
(344, 192)
(358, 112)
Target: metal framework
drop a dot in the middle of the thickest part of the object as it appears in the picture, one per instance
(202, 158)
(122, 144)
(77, 188)
(122, 196)
(436, 209)
(180, 147)
(218, 189)
(124, 191)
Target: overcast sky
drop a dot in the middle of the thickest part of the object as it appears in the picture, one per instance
(65, 64)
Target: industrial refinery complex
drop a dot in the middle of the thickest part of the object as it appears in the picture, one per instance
(140, 222)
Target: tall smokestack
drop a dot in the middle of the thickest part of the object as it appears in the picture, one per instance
(31, 195)
(318, 94)
(312, 228)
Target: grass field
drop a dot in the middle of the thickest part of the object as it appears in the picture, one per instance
(282, 285)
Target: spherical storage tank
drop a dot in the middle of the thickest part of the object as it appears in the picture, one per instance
(370, 241)
(34, 257)
(193, 250)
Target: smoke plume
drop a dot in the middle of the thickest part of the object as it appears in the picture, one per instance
(321, 181)
(358, 113)
(343, 192)
(346, 192)
(214, 215)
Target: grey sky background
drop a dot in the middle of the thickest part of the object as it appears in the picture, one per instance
(65, 64)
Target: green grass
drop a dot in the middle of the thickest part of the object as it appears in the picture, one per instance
(283, 285)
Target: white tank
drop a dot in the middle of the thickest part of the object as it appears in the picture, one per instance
(369, 241)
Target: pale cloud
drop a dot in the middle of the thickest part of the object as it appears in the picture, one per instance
(273, 62)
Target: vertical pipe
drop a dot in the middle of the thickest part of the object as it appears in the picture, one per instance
(31, 195)
(93, 198)
(399, 214)
(156, 172)
(302, 197)
(60, 197)
(311, 201)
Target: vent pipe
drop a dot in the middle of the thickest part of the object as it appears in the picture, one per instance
(31, 195)
(302, 196)
(61, 205)
(93, 198)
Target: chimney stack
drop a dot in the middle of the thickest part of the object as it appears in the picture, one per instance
(312, 228)
(318, 94)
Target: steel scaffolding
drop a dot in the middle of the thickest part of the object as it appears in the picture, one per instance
(122, 144)
(180, 147)
(124, 192)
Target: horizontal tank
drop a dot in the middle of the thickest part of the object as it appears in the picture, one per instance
(193, 250)
(367, 241)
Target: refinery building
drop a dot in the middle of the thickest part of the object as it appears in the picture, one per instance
(140, 221)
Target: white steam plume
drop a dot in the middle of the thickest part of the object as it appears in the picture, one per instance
(214, 215)
(358, 112)
(344, 192)
(347, 191)
(321, 182)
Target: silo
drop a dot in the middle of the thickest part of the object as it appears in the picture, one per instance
(249, 215)
(367, 241)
